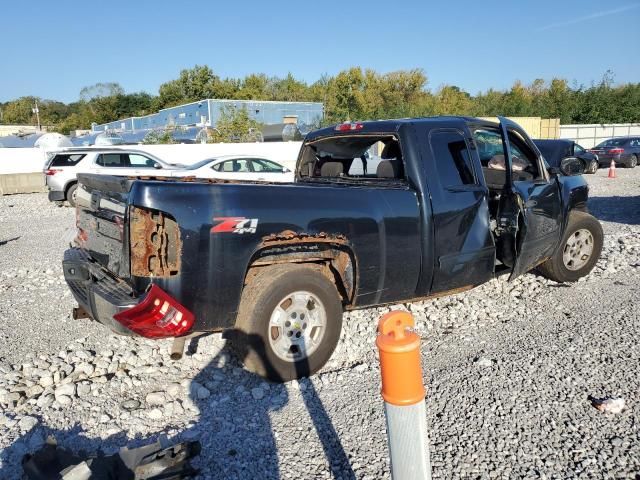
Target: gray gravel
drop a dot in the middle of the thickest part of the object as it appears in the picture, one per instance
(509, 369)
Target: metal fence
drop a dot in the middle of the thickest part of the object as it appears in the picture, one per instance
(589, 136)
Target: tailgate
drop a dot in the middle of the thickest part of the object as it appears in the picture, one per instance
(102, 220)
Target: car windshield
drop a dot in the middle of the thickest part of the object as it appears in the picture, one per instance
(612, 142)
(199, 164)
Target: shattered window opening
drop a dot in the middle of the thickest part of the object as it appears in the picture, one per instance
(355, 158)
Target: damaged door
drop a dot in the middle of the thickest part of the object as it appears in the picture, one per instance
(530, 211)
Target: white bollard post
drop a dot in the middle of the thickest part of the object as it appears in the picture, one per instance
(403, 392)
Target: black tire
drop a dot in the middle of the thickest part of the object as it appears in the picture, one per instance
(555, 268)
(261, 296)
(71, 194)
(633, 161)
(593, 167)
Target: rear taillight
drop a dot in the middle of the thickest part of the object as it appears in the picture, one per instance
(51, 171)
(616, 151)
(158, 315)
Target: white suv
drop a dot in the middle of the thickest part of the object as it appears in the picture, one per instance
(62, 169)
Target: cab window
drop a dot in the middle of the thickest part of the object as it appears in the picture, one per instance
(524, 160)
(452, 158)
(111, 160)
(138, 161)
(240, 165)
(267, 166)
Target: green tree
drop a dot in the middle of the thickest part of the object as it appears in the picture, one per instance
(344, 96)
(234, 126)
(159, 137)
(254, 87)
(19, 112)
(193, 84)
(451, 100)
(100, 90)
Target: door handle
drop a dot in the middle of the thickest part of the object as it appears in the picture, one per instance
(530, 203)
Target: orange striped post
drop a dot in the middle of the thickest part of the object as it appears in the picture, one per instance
(403, 393)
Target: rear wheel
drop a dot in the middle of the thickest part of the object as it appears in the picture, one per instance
(581, 247)
(288, 323)
(72, 194)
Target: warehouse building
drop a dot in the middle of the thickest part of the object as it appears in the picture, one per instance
(206, 113)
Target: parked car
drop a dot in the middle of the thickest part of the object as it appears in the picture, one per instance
(555, 150)
(625, 151)
(448, 208)
(238, 167)
(62, 169)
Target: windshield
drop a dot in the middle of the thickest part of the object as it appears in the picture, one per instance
(199, 164)
(612, 142)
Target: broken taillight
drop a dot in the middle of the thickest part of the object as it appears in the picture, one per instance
(348, 126)
(158, 315)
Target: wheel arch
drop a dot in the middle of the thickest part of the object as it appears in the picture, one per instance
(68, 186)
(334, 259)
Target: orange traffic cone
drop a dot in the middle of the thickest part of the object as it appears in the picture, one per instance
(612, 169)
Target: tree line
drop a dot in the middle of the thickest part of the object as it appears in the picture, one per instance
(353, 94)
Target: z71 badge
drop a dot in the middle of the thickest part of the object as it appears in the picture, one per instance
(234, 225)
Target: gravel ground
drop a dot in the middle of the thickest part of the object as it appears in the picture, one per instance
(508, 366)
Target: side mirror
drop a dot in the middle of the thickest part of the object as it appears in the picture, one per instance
(571, 166)
(285, 170)
(157, 166)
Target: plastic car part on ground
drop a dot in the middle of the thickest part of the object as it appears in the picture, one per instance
(153, 461)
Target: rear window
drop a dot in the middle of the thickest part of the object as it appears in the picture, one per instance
(356, 158)
(262, 165)
(67, 160)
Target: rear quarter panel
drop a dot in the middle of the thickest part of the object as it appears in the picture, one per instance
(381, 226)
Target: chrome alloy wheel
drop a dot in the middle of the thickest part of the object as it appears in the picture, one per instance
(578, 249)
(297, 326)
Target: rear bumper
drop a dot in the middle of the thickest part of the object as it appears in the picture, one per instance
(605, 160)
(101, 295)
(56, 196)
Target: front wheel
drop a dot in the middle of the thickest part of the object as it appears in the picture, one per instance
(633, 161)
(288, 323)
(581, 247)
(593, 167)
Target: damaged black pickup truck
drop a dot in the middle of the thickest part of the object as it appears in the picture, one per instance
(380, 212)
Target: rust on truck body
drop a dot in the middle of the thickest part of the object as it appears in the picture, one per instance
(329, 251)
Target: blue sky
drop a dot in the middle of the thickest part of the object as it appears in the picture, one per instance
(53, 49)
